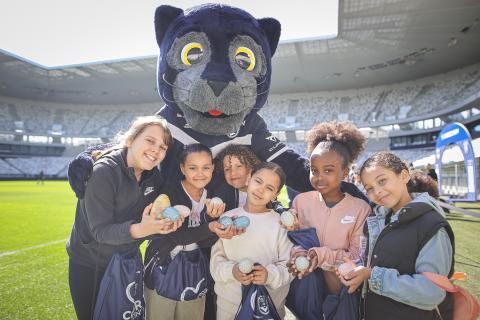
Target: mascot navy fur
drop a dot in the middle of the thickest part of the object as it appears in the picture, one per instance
(214, 74)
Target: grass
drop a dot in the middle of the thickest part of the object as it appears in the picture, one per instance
(34, 282)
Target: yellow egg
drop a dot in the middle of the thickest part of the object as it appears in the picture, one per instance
(159, 205)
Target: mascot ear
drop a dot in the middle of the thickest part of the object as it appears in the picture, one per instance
(164, 15)
(271, 27)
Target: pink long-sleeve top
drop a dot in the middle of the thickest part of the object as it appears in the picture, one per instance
(339, 229)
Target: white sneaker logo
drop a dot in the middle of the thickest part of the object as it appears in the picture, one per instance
(348, 219)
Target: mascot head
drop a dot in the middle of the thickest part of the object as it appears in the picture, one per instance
(215, 64)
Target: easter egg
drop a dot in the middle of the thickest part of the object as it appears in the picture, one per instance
(225, 221)
(171, 213)
(345, 268)
(216, 200)
(302, 263)
(160, 203)
(287, 219)
(241, 222)
(184, 210)
(245, 265)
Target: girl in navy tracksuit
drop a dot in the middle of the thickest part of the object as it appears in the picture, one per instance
(198, 232)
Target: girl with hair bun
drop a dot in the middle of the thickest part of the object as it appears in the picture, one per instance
(338, 217)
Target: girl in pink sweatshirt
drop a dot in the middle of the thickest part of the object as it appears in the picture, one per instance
(338, 217)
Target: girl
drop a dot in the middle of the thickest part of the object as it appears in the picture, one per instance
(124, 182)
(264, 242)
(198, 231)
(337, 217)
(406, 237)
(236, 162)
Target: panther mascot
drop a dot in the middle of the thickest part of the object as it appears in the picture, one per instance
(214, 73)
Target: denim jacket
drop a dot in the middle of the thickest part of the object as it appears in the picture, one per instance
(436, 256)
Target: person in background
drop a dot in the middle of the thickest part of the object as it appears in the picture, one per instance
(431, 172)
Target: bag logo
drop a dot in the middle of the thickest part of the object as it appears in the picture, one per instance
(261, 302)
(194, 290)
(137, 304)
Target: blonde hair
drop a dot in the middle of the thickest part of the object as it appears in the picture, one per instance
(137, 126)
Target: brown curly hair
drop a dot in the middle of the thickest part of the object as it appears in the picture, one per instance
(341, 137)
(244, 154)
(420, 182)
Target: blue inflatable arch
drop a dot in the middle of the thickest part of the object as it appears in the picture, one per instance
(457, 133)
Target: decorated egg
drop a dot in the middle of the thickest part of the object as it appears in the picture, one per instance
(171, 213)
(287, 219)
(225, 221)
(184, 210)
(160, 203)
(216, 200)
(346, 267)
(245, 265)
(302, 263)
(241, 222)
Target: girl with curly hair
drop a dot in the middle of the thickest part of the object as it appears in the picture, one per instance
(338, 217)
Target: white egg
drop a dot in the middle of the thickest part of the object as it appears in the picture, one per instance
(245, 265)
(287, 218)
(184, 210)
(302, 263)
(216, 200)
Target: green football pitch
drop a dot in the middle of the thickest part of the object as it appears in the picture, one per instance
(35, 221)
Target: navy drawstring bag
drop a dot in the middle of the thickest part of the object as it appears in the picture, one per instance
(305, 296)
(120, 295)
(256, 304)
(343, 306)
(186, 277)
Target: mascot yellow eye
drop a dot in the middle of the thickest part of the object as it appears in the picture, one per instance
(192, 53)
(245, 58)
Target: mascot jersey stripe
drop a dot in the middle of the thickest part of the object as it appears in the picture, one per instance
(253, 133)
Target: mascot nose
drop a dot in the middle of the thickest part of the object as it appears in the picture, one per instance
(217, 86)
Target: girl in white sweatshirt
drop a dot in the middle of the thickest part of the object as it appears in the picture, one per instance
(264, 242)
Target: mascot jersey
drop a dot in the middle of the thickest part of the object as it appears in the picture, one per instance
(214, 75)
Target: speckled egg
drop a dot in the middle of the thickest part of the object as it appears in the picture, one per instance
(184, 210)
(245, 265)
(225, 221)
(171, 213)
(241, 222)
(287, 219)
(216, 200)
(302, 263)
(160, 203)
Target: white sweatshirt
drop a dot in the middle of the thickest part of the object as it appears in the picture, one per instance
(265, 242)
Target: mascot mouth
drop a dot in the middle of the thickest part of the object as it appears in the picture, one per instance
(214, 113)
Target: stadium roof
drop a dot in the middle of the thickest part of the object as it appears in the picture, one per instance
(379, 42)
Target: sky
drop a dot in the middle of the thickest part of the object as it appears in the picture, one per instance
(59, 33)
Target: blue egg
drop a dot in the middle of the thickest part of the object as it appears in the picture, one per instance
(302, 263)
(171, 213)
(241, 222)
(225, 221)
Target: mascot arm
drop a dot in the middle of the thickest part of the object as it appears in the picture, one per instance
(269, 148)
(80, 169)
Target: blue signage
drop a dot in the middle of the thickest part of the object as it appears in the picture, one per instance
(457, 133)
